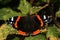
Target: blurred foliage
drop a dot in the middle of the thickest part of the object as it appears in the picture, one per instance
(52, 31)
(37, 37)
(5, 30)
(25, 7)
(3, 2)
(58, 13)
(7, 13)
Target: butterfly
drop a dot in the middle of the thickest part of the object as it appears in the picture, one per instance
(28, 25)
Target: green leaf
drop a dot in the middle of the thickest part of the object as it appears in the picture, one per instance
(5, 30)
(24, 7)
(58, 13)
(16, 38)
(35, 9)
(37, 37)
(52, 31)
(6, 13)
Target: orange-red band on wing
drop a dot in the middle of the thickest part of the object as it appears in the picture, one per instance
(36, 32)
(15, 24)
(22, 33)
(39, 18)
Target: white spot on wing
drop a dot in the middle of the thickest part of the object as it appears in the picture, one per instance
(12, 19)
(44, 16)
(10, 22)
(46, 20)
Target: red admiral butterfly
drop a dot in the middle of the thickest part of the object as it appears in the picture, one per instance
(28, 25)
